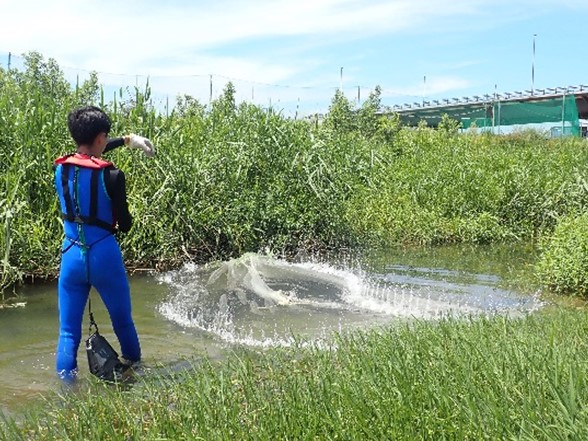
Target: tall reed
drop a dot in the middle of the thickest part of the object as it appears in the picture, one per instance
(233, 177)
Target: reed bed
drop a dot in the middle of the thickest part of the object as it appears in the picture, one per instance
(231, 178)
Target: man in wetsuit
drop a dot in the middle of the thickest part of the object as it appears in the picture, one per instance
(93, 203)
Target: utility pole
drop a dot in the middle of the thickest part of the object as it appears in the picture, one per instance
(210, 95)
(533, 67)
(341, 80)
(424, 88)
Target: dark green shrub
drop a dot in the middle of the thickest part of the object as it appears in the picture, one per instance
(563, 265)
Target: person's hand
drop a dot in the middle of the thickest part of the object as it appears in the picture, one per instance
(139, 142)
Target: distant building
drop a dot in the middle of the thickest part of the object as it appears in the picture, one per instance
(560, 111)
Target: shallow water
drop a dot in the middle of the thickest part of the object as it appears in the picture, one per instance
(259, 301)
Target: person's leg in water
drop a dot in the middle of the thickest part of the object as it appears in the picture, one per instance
(109, 277)
(73, 289)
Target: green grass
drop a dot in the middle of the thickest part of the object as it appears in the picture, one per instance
(487, 378)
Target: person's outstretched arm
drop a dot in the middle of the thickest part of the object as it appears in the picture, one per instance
(114, 143)
(133, 142)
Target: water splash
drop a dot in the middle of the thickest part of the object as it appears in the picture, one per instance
(258, 300)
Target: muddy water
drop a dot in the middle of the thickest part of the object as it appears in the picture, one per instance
(259, 301)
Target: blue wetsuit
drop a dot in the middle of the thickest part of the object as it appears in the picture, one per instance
(91, 256)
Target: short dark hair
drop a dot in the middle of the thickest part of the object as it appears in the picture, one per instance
(86, 123)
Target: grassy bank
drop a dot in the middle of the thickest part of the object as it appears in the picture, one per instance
(492, 378)
(231, 178)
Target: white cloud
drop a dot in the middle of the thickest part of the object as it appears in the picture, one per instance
(132, 36)
(187, 40)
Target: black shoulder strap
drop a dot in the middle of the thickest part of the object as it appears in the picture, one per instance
(94, 194)
(69, 212)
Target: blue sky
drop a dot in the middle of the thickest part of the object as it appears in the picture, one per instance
(291, 52)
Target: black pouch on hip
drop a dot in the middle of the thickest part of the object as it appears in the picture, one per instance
(102, 358)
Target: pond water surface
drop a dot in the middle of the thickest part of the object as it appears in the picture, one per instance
(259, 301)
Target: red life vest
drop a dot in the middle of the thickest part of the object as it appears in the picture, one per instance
(95, 164)
(83, 160)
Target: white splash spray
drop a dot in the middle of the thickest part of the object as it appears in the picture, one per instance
(258, 300)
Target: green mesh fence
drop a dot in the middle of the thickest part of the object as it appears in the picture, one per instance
(559, 115)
